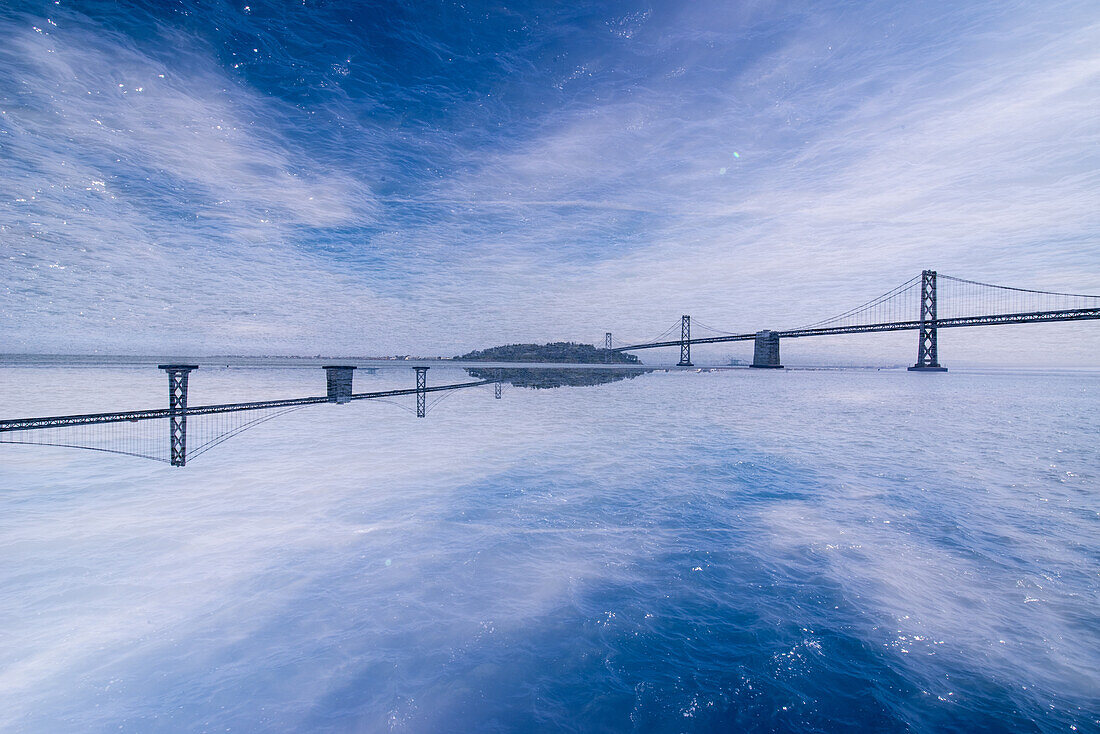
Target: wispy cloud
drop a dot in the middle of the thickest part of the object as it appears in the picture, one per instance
(752, 166)
(148, 204)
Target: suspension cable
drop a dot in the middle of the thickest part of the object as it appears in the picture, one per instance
(1010, 288)
(697, 322)
(869, 304)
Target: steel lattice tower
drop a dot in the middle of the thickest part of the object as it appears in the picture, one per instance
(421, 395)
(685, 341)
(927, 349)
(177, 410)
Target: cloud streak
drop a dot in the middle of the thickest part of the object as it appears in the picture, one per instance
(548, 175)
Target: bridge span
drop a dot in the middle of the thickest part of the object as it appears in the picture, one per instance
(971, 304)
(139, 432)
(180, 432)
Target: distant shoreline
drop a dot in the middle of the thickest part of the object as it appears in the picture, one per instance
(78, 360)
(216, 361)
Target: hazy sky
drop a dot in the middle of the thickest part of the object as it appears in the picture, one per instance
(350, 178)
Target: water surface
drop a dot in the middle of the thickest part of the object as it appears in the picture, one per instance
(772, 551)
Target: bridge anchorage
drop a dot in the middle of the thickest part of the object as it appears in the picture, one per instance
(765, 353)
(926, 304)
(338, 379)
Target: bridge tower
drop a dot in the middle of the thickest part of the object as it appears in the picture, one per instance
(607, 346)
(338, 378)
(927, 350)
(766, 351)
(496, 390)
(685, 341)
(177, 410)
(421, 394)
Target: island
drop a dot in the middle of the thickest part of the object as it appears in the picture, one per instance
(559, 352)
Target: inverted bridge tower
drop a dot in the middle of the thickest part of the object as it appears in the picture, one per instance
(177, 410)
(685, 341)
(927, 349)
(421, 391)
(338, 378)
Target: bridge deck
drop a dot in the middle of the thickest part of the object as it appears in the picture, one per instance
(1032, 317)
(27, 424)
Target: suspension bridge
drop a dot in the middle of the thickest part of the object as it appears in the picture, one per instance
(925, 304)
(181, 432)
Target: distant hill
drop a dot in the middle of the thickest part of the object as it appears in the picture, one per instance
(553, 352)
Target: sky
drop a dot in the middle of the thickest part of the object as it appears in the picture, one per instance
(346, 178)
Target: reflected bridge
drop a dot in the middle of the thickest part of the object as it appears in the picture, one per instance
(180, 432)
(169, 434)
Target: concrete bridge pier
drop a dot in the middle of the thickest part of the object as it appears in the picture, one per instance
(766, 352)
(338, 378)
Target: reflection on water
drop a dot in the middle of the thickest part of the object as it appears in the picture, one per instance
(744, 550)
(548, 378)
(545, 375)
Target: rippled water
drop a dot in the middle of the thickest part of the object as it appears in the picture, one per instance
(791, 551)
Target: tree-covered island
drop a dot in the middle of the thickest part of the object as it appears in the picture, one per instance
(563, 352)
(569, 352)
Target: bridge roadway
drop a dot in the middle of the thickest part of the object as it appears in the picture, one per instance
(27, 424)
(1033, 317)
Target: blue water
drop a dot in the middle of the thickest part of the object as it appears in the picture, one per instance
(801, 551)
